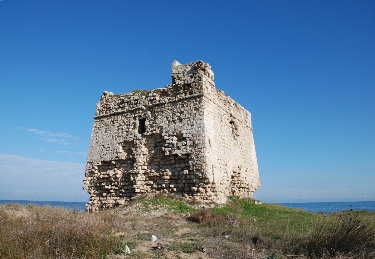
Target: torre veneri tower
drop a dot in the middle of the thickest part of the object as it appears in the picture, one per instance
(188, 138)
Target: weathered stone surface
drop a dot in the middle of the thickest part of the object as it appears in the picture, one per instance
(188, 138)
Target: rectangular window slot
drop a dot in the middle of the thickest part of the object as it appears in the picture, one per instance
(142, 126)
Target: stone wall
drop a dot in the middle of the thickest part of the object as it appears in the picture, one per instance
(231, 163)
(171, 140)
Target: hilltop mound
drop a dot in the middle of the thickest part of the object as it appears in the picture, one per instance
(162, 227)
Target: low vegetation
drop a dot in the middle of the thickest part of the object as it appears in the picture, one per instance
(140, 92)
(286, 232)
(41, 232)
(240, 229)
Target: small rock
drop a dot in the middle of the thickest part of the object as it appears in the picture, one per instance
(105, 93)
(154, 238)
(158, 247)
(127, 250)
(202, 249)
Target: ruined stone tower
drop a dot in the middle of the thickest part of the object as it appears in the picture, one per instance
(188, 138)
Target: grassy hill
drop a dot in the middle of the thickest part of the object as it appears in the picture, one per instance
(239, 229)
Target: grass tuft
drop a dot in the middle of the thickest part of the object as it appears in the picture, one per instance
(140, 92)
(187, 248)
(166, 202)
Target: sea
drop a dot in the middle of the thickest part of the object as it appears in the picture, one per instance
(78, 206)
(322, 207)
(331, 207)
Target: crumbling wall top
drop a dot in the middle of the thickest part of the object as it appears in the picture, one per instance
(185, 73)
(188, 81)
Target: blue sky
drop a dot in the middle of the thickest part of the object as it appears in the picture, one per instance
(305, 70)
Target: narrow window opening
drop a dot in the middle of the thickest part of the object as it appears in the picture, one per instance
(234, 128)
(142, 126)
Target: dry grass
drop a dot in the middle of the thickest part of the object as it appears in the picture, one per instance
(240, 229)
(292, 234)
(40, 232)
(344, 234)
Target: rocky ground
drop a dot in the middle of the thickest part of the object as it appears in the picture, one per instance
(177, 236)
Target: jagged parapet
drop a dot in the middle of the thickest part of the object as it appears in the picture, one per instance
(187, 138)
(187, 73)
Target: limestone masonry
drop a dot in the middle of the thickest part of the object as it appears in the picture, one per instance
(188, 139)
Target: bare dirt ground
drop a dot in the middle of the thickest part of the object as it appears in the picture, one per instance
(177, 237)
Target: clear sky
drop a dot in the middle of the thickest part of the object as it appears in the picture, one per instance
(305, 70)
